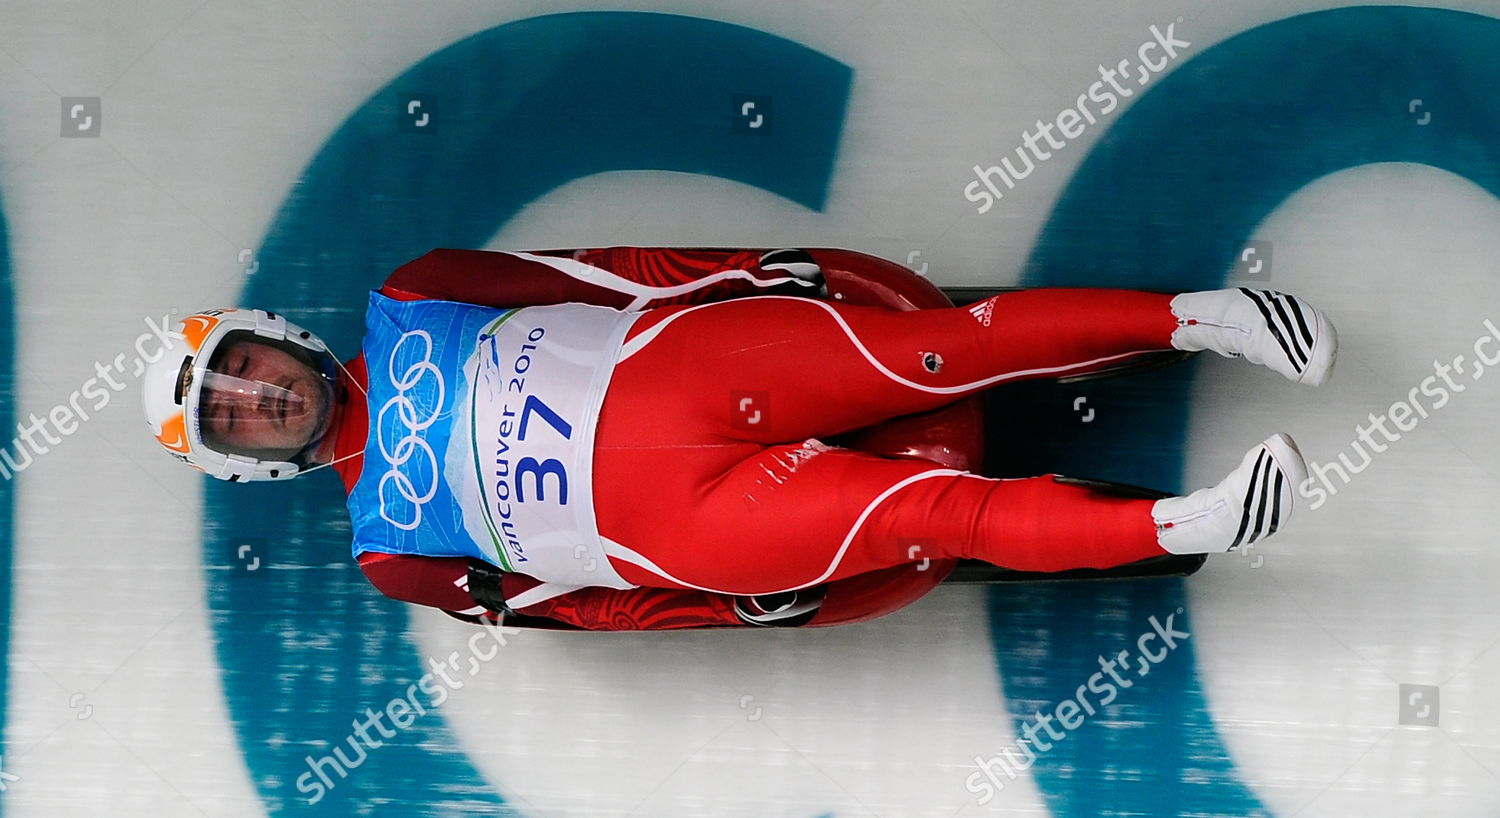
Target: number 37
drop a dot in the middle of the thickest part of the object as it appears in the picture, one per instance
(539, 470)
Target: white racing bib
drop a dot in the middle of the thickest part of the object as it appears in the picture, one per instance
(538, 377)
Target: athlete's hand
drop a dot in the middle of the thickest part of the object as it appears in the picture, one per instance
(787, 609)
(798, 264)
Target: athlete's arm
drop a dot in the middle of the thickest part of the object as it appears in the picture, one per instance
(443, 582)
(439, 582)
(634, 609)
(627, 278)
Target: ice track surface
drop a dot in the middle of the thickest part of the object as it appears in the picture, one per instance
(182, 649)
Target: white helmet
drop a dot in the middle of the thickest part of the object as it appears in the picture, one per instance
(211, 388)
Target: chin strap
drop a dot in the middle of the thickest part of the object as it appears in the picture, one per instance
(351, 456)
(348, 379)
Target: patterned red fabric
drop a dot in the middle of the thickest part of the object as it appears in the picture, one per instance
(628, 610)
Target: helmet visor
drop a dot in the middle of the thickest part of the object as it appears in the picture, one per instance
(265, 399)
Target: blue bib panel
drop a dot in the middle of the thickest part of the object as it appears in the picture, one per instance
(481, 434)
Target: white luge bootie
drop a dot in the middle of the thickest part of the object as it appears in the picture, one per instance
(1252, 503)
(1280, 331)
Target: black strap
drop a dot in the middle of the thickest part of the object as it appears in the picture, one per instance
(485, 588)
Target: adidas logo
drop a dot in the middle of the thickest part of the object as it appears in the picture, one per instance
(1261, 496)
(1289, 326)
(983, 310)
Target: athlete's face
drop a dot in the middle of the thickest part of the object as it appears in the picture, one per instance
(266, 400)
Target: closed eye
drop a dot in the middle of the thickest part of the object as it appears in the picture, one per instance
(221, 416)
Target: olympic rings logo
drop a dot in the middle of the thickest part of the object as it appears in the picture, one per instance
(413, 443)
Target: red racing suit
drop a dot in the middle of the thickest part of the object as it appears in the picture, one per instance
(709, 475)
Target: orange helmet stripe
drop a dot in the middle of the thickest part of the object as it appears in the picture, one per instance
(173, 434)
(195, 328)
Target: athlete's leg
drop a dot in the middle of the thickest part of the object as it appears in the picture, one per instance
(688, 505)
(793, 516)
(691, 507)
(773, 369)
